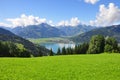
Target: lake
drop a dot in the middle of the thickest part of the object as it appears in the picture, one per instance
(55, 46)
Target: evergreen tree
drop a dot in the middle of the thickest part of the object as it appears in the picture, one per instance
(111, 45)
(70, 50)
(84, 48)
(76, 49)
(58, 51)
(63, 51)
(118, 49)
(96, 44)
(10, 49)
(51, 52)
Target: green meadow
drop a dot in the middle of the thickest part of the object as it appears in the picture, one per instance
(50, 40)
(69, 67)
(44, 40)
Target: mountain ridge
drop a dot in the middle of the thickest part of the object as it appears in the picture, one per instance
(37, 31)
(110, 31)
(45, 31)
(6, 35)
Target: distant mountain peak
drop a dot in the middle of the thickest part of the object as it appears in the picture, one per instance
(45, 30)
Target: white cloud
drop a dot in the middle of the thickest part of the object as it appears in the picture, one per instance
(72, 22)
(91, 1)
(5, 25)
(26, 20)
(50, 22)
(107, 15)
(63, 23)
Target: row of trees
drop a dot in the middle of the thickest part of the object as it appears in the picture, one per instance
(79, 49)
(10, 49)
(98, 44)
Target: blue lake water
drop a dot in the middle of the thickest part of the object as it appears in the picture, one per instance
(55, 46)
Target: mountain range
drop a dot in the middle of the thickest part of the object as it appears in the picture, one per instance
(80, 33)
(72, 31)
(45, 31)
(110, 31)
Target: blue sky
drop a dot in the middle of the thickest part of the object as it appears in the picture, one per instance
(54, 10)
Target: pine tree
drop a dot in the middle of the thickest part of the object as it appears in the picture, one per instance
(51, 52)
(63, 51)
(58, 51)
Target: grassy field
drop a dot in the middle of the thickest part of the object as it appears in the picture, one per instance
(50, 40)
(72, 67)
(44, 40)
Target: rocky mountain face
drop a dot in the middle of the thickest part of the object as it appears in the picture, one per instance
(45, 31)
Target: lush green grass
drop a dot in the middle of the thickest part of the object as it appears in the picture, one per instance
(74, 67)
(44, 40)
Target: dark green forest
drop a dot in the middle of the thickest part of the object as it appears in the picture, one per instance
(10, 49)
(98, 44)
(8, 40)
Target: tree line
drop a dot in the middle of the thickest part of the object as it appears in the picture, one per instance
(98, 44)
(10, 49)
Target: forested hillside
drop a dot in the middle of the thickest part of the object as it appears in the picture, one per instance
(111, 31)
(6, 35)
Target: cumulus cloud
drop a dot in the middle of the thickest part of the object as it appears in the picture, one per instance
(107, 15)
(24, 20)
(72, 22)
(50, 22)
(91, 1)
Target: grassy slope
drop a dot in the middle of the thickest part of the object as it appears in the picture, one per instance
(76, 67)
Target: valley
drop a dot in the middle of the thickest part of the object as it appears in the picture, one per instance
(50, 40)
(54, 43)
(59, 39)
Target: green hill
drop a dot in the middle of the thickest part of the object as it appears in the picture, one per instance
(111, 31)
(6, 35)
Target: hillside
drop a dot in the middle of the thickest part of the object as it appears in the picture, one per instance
(111, 31)
(6, 32)
(6, 35)
(46, 31)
